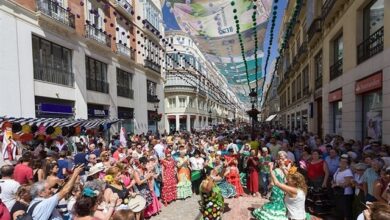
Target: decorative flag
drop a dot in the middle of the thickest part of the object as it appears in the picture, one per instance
(122, 137)
(9, 146)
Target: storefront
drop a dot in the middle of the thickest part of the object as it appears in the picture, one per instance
(172, 123)
(97, 111)
(53, 108)
(370, 90)
(336, 110)
(127, 118)
(152, 125)
(183, 123)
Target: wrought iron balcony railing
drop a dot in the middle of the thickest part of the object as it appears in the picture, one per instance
(327, 7)
(152, 65)
(318, 82)
(314, 28)
(336, 69)
(126, 5)
(97, 85)
(125, 92)
(52, 9)
(124, 50)
(53, 75)
(370, 46)
(97, 34)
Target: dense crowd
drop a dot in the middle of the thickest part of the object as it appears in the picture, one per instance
(301, 174)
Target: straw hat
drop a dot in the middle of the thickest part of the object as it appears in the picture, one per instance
(97, 168)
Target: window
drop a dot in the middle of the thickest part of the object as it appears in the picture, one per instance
(121, 34)
(337, 68)
(337, 116)
(172, 102)
(372, 115)
(338, 49)
(52, 62)
(124, 82)
(305, 83)
(293, 90)
(190, 102)
(318, 70)
(151, 87)
(182, 102)
(373, 16)
(95, 14)
(152, 14)
(299, 87)
(96, 75)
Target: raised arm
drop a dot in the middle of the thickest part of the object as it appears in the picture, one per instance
(69, 185)
(291, 191)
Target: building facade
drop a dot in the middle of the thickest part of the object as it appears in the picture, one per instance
(348, 73)
(82, 59)
(190, 102)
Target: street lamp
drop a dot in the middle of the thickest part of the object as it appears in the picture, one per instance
(156, 103)
(210, 120)
(253, 112)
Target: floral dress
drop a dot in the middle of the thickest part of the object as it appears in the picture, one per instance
(275, 209)
(212, 204)
(227, 189)
(183, 175)
(169, 182)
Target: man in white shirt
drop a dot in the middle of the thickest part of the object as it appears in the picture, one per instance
(233, 146)
(159, 149)
(8, 186)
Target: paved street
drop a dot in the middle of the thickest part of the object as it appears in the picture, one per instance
(188, 209)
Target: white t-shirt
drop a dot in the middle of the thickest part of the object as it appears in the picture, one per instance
(8, 192)
(159, 148)
(296, 206)
(196, 163)
(339, 178)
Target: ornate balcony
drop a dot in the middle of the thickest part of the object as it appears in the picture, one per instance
(370, 46)
(53, 75)
(336, 69)
(97, 85)
(150, 26)
(318, 82)
(125, 51)
(125, 92)
(54, 11)
(124, 6)
(302, 51)
(152, 66)
(97, 34)
(314, 29)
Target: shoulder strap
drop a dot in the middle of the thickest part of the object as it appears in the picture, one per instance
(31, 209)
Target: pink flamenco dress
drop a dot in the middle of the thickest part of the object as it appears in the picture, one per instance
(155, 207)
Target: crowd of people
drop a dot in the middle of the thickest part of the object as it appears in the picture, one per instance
(301, 174)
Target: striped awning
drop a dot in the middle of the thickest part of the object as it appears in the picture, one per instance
(59, 122)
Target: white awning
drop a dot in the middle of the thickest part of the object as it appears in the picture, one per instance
(270, 118)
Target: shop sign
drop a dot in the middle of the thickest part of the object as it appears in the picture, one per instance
(368, 84)
(97, 112)
(48, 108)
(335, 95)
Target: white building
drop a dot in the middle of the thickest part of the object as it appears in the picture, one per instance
(190, 100)
(81, 59)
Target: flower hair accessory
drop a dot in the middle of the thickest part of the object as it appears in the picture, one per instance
(108, 178)
(292, 170)
(89, 192)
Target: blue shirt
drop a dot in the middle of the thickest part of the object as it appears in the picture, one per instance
(46, 209)
(61, 165)
(369, 177)
(333, 164)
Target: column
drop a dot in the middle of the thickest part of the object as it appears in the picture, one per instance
(177, 122)
(188, 122)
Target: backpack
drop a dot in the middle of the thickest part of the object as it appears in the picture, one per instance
(28, 215)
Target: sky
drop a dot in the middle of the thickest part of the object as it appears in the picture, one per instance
(170, 23)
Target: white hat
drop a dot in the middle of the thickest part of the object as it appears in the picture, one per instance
(97, 168)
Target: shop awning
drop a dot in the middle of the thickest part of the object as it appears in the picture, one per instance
(59, 122)
(271, 117)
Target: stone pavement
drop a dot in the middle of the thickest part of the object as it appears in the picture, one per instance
(188, 209)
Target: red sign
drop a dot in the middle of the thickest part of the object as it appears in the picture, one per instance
(368, 84)
(335, 95)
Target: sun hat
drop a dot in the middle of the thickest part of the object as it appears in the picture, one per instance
(97, 168)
